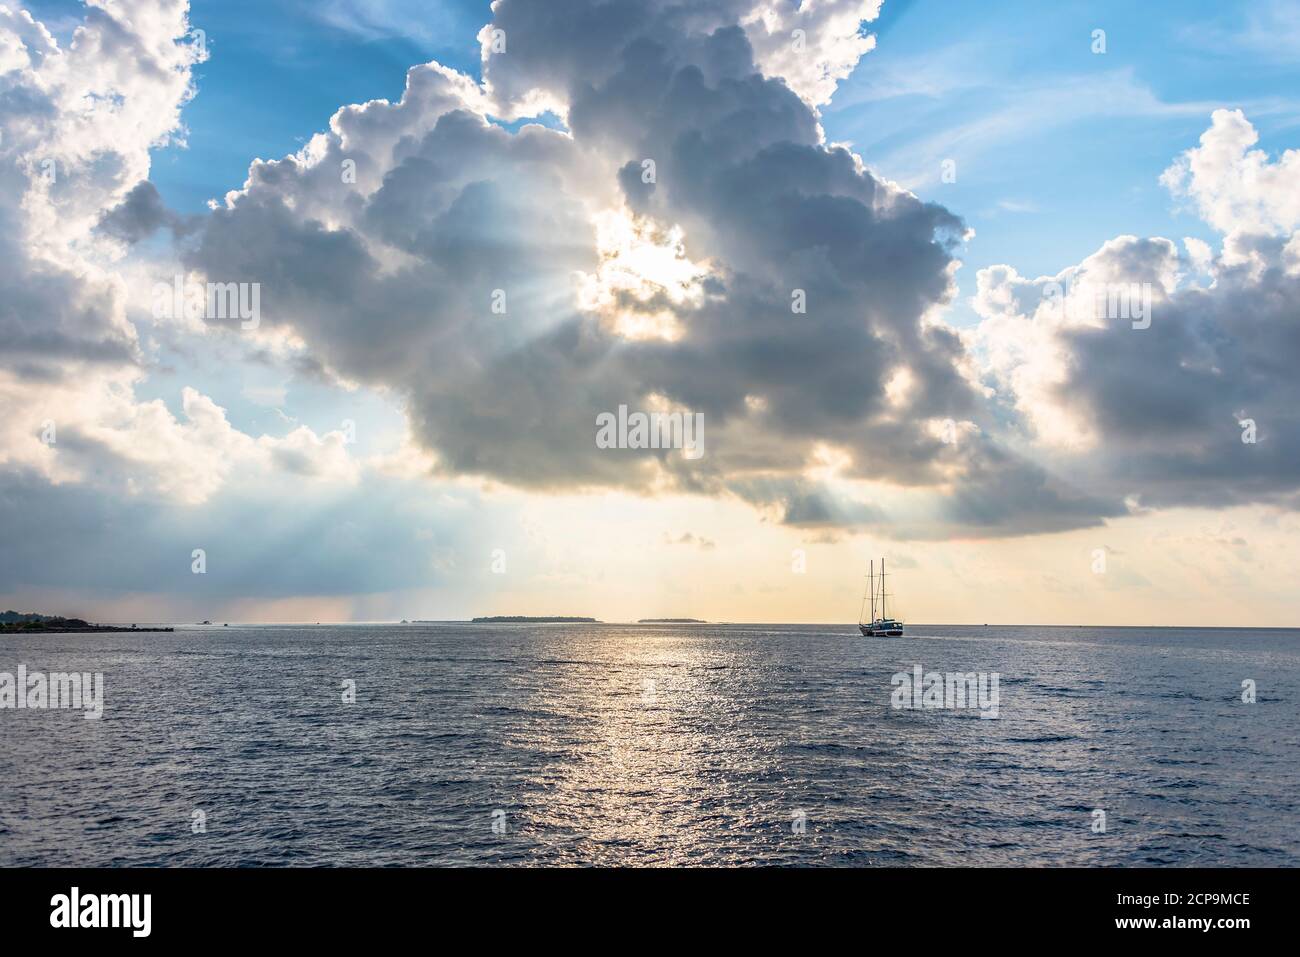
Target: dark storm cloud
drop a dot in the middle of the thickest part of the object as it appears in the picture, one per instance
(804, 503)
(1001, 497)
(1168, 401)
(50, 317)
(142, 213)
(391, 281)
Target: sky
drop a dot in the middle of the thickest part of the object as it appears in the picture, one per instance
(1007, 296)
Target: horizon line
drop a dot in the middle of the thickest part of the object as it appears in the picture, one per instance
(846, 624)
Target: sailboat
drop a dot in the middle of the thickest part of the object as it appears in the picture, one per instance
(881, 626)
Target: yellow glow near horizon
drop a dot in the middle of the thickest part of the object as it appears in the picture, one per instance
(620, 557)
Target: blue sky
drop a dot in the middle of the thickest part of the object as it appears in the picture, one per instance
(1059, 149)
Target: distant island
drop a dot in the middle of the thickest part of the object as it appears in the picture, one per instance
(12, 622)
(670, 621)
(529, 619)
(12, 617)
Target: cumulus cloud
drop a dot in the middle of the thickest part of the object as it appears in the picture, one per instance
(76, 128)
(690, 538)
(75, 134)
(811, 46)
(514, 285)
(141, 214)
(1236, 188)
(1201, 407)
(535, 56)
(189, 459)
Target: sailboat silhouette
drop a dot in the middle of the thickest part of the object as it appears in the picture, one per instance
(881, 626)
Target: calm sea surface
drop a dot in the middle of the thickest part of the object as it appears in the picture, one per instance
(626, 744)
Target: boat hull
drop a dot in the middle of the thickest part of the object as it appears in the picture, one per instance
(870, 632)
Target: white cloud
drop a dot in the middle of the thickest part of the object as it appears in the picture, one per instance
(1236, 188)
(1157, 411)
(830, 44)
(75, 138)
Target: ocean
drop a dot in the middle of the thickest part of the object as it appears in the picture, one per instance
(716, 745)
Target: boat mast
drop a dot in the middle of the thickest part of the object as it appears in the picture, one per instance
(865, 593)
(882, 589)
(872, 577)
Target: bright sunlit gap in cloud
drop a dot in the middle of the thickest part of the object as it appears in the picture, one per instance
(640, 261)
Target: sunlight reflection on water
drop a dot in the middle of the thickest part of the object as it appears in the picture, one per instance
(654, 745)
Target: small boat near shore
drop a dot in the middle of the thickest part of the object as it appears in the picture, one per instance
(877, 626)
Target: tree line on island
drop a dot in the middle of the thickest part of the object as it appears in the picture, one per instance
(33, 623)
